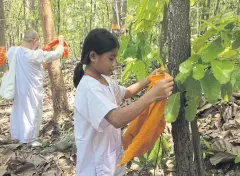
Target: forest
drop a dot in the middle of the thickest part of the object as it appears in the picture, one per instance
(197, 42)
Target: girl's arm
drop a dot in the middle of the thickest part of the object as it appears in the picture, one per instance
(122, 116)
(137, 87)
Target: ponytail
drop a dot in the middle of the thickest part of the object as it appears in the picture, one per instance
(78, 74)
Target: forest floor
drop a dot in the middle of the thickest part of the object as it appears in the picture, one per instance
(219, 126)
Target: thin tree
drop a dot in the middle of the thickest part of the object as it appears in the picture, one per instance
(59, 96)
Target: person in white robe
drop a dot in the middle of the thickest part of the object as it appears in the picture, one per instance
(26, 112)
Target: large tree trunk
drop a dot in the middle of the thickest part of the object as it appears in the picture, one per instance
(2, 22)
(119, 8)
(59, 96)
(180, 50)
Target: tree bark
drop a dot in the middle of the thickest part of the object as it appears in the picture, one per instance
(197, 148)
(59, 96)
(119, 8)
(179, 51)
(163, 37)
(2, 23)
(28, 7)
(217, 7)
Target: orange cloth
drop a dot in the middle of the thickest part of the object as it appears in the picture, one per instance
(144, 130)
(2, 55)
(54, 44)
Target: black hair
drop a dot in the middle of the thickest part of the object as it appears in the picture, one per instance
(98, 40)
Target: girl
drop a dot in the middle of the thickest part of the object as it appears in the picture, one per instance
(97, 116)
(26, 113)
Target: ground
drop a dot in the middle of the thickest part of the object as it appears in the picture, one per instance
(218, 125)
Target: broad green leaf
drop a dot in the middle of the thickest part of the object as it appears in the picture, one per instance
(156, 153)
(127, 72)
(124, 42)
(172, 108)
(193, 89)
(186, 66)
(226, 41)
(139, 69)
(235, 79)
(228, 53)
(237, 159)
(211, 52)
(222, 70)
(211, 87)
(130, 50)
(236, 44)
(199, 71)
(205, 25)
(226, 91)
(190, 110)
(200, 41)
(181, 77)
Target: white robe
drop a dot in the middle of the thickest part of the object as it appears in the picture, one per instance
(99, 146)
(26, 113)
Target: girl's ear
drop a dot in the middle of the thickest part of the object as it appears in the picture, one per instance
(93, 56)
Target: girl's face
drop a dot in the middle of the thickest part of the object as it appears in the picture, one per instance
(105, 62)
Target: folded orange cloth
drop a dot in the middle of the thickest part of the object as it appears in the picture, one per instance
(2, 55)
(144, 130)
(54, 44)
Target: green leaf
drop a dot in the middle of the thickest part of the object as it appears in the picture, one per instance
(226, 41)
(222, 70)
(130, 50)
(190, 110)
(199, 71)
(139, 69)
(236, 44)
(192, 2)
(200, 41)
(186, 66)
(156, 153)
(211, 87)
(127, 72)
(235, 79)
(237, 159)
(123, 44)
(173, 107)
(228, 53)
(193, 89)
(211, 52)
(181, 77)
(226, 91)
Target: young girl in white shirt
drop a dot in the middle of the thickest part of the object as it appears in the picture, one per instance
(97, 116)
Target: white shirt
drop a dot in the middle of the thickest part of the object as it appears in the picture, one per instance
(99, 146)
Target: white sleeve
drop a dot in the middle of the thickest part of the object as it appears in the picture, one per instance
(98, 107)
(48, 56)
(119, 91)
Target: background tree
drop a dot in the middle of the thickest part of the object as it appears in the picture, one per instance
(59, 96)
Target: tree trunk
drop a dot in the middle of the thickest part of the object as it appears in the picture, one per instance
(2, 33)
(2, 23)
(59, 96)
(163, 37)
(179, 51)
(28, 7)
(119, 8)
(197, 148)
(217, 7)
(238, 8)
